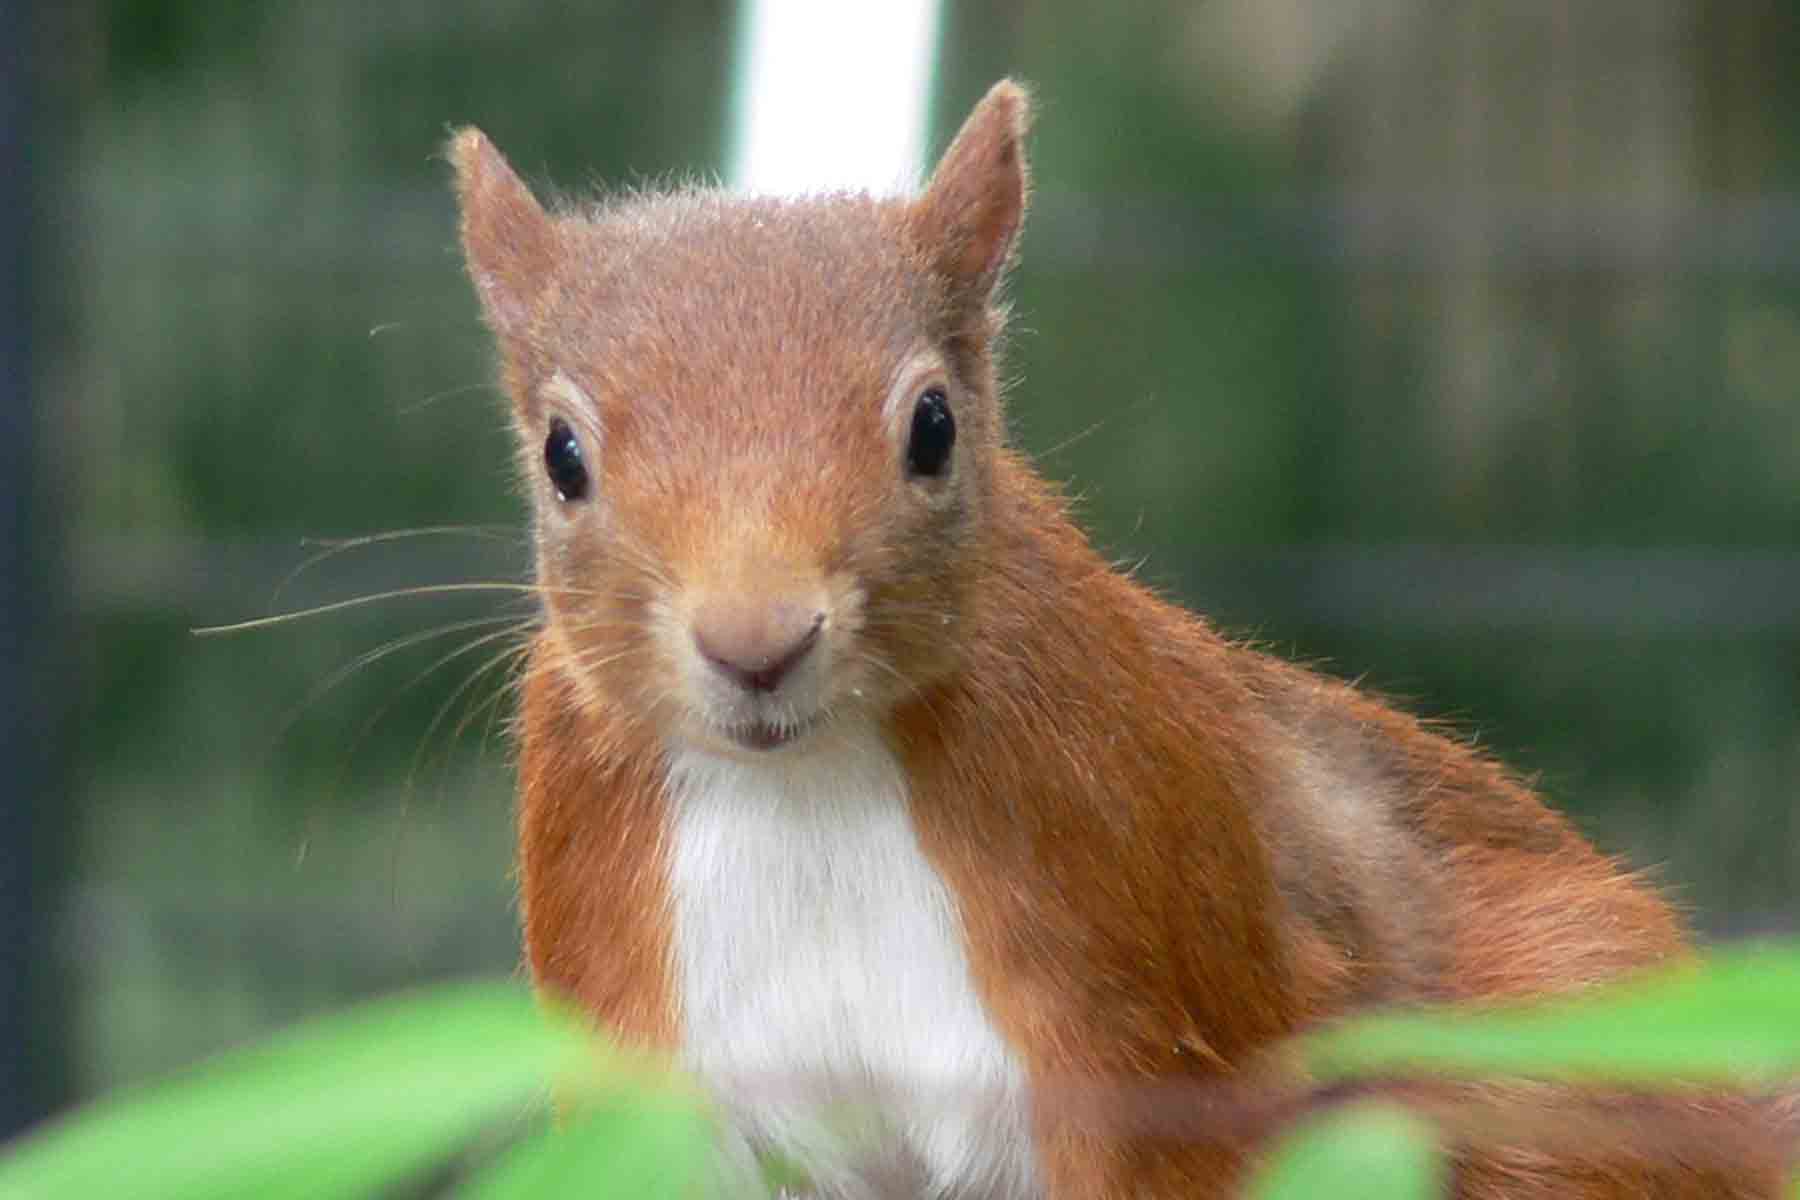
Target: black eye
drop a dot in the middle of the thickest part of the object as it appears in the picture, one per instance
(933, 433)
(562, 455)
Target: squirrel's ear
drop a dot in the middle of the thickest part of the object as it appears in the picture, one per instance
(968, 219)
(508, 239)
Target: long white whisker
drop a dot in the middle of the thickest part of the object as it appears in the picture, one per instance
(432, 589)
(370, 657)
(332, 547)
(462, 688)
(428, 401)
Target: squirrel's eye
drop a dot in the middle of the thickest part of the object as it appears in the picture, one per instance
(562, 456)
(933, 433)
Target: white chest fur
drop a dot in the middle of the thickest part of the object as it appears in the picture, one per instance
(823, 983)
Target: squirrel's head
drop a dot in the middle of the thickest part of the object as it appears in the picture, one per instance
(759, 434)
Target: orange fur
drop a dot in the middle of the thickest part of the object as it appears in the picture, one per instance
(1167, 852)
(606, 947)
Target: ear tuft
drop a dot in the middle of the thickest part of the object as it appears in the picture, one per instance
(509, 242)
(968, 219)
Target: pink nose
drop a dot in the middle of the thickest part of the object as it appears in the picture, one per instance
(756, 645)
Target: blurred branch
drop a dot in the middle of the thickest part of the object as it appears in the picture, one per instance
(1551, 234)
(396, 225)
(1450, 589)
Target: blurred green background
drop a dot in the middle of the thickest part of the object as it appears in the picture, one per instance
(1454, 348)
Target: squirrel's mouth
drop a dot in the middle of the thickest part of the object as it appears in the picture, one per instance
(766, 735)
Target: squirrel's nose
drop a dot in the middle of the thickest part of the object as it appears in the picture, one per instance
(756, 645)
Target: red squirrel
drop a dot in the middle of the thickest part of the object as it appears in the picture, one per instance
(843, 754)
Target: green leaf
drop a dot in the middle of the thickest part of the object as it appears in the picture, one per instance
(336, 1107)
(650, 1147)
(1374, 1151)
(1735, 1017)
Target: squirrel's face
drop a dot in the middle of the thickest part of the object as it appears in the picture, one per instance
(758, 435)
(755, 487)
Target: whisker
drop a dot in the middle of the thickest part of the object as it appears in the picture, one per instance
(513, 627)
(461, 689)
(585, 663)
(332, 547)
(427, 402)
(875, 660)
(1074, 439)
(370, 657)
(448, 325)
(425, 739)
(911, 686)
(514, 682)
(430, 589)
(509, 685)
(496, 532)
(1132, 410)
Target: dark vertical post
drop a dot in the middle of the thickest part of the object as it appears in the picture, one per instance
(28, 716)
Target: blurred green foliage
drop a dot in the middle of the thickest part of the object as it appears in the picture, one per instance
(357, 1102)
(1504, 275)
(1362, 1153)
(338, 1108)
(1733, 1019)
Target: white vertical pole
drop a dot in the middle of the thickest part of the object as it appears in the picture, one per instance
(832, 94)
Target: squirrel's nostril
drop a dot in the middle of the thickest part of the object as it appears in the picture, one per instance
(757, 646)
